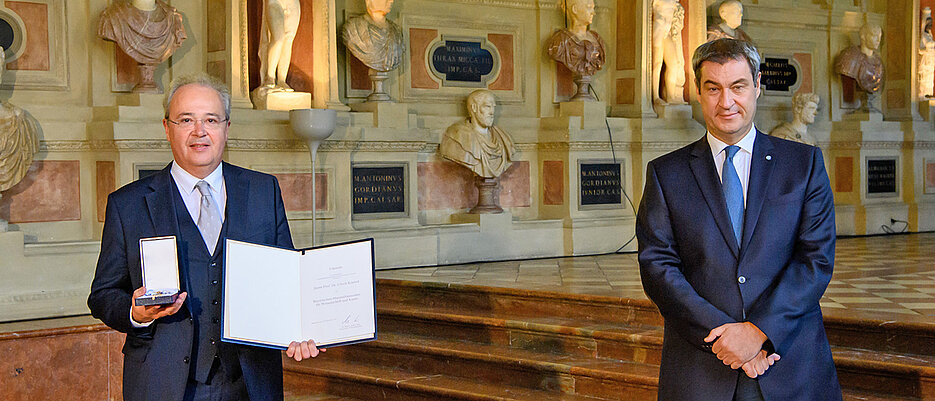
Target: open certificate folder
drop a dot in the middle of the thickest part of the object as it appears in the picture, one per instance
(273, 296)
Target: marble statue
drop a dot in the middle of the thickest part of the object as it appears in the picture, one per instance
(731, 13)
(377, 42)
(580, 49)
(668, 20)
(863, 63)
(482, 147)
(148, 31)
(926, 56)
(19, 142)
(804, 110)
(280, 24)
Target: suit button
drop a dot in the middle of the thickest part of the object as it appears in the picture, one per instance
(213, 341)
(741, 279)
(214, 282)
(186, 359)
(215, 320)
(215, 302)
(214, 264)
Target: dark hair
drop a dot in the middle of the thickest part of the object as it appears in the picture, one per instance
(723, 50)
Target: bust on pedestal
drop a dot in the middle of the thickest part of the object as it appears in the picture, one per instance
(581, 50)
(804, 110)
(148, 31)
(19, 142)
(863, 65)
(277, 34)
(731, 13)
(480, 146)
(377, 42)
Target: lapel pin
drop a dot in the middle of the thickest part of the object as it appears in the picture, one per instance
(768, 157)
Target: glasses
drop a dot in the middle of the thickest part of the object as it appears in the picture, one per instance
(209, 123)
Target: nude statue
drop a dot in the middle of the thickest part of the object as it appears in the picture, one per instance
(148, 31)
(668, 20)
(580, 49)
(731, 13)
(19, 142)
(926, 56)
(280, 24)
(804, 110)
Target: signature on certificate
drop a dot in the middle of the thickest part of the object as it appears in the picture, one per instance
(351, 322)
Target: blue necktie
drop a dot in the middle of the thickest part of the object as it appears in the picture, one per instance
(733, 191)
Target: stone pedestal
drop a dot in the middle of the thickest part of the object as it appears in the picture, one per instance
(265, 98)
(488, 196)
(385, 114)
(592, 113)
(582, 82)
(147, 83)
(379, 92)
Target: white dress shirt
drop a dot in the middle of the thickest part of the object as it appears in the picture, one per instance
(742, 158)
(192, 198)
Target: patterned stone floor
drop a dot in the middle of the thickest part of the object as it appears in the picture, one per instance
(884, 277)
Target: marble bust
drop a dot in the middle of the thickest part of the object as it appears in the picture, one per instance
(731, 13)
(926, 56)
(19, 142)
(580, 49)
(863, 63)
(373, 39)
(148, 31)
(280, 24)
(668, 20)
(476, 143)
(804, 110)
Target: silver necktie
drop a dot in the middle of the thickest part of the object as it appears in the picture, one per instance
(209, 218)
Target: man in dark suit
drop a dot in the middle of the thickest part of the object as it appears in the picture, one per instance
(174, 352)
(736, 246)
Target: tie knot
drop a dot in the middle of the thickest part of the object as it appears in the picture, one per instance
(731, 151)
(203, 188)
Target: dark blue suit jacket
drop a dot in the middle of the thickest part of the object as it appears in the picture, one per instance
(691, 267)
(156, 358)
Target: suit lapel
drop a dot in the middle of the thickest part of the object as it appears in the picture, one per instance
(238, 197)
(760, 170)
(702, 165)
(159, 204)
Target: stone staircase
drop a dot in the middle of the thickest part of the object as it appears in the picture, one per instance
(442, 341)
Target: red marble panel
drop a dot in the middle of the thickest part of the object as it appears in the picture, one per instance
(626, 90)
(844, 174)
(553, 182)
(60, 367)
(564, 81)
(106, 183)
(36, 18)
(419, 40)
(445, 185)
(216, 25)
(805, 61)
(514, 185)
(126, 68)
(217, 69)
(929, 177)
(504, 44)
(49, 192)
(297, 191)
(115, 342)
(360, 78)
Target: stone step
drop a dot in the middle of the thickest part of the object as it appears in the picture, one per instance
(495, 364)
(369, 382)
(898, 375)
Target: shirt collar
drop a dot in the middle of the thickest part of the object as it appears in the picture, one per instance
(745, 144)
(187, 182)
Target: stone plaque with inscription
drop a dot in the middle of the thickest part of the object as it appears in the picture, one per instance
(881, 176)
(600, 184)
(779, 74)
(379, 189)
(465, 62)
